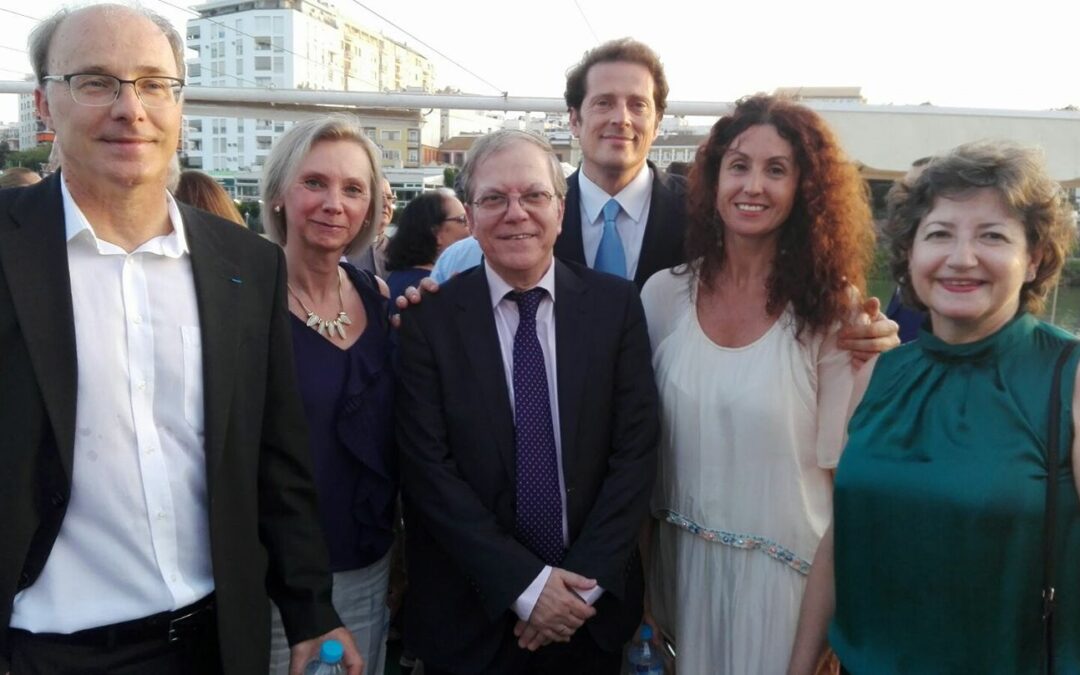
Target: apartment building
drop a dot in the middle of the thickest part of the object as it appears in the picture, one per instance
(293, 44)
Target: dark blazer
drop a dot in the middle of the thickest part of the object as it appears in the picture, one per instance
(264, 532)
(456, 431)
(662, 246)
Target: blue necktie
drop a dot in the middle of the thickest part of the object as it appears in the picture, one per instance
(611, 257)
(538, 520)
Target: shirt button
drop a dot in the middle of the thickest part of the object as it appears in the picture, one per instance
(141, 385)
(136, 319)
(150, 451)
(161, 515)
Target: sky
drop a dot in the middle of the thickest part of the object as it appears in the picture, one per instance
(958, 53)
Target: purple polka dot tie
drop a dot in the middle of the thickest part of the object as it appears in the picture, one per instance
(539, 507)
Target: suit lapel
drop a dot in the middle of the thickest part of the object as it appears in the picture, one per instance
(571, 363)
(652, 247)
(476, 328)
(569, 245)
(218, 286)
(33, 255)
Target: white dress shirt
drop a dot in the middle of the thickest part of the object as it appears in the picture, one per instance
(506, 324)
(135, 539)
(634, 199)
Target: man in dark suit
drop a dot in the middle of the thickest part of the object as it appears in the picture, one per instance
(158, 483)
(527, 419)
(616, 97)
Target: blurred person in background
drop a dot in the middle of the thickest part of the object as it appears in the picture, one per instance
(19, 176)
(373, 259)
(430, 222)
(197, 189)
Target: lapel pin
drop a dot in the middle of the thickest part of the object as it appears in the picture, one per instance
(237, 280)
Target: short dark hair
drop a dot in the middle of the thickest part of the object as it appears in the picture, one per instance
(1015, 172)
(624, 49)
(415, 241)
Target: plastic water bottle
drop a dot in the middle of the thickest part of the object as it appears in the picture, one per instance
(329, 661)
(642, 657)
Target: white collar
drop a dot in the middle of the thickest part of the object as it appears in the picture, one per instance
(500, 288)
(172, 245)
(631, 198)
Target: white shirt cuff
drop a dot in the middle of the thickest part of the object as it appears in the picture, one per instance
(526, 602)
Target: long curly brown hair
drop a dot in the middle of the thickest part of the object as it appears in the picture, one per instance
(827, 242)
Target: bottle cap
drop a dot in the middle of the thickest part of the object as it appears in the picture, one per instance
(646, 632)
(331, 651)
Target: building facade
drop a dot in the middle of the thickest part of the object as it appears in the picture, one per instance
(291, 44)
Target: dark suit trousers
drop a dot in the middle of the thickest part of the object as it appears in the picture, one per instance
(198, 654)
(580, 656)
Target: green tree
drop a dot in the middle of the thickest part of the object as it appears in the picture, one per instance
(33, 158)
(449, 175)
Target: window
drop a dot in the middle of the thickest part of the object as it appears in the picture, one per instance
(414, 135)
(239, 66)
(240, 125)
(262, 43)
(194, 126)
(219, 146)
(239, 46)
(263, 62)
(370, 133)
(391, 155)
(264, 82)
(263, 142)
(414, 156)
(262, 24)
(388, 135)
(279, 25)
(195, 145)
(279, 64)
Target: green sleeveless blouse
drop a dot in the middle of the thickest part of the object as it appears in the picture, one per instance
(939, 508)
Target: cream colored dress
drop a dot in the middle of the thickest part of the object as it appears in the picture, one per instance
(743, 491)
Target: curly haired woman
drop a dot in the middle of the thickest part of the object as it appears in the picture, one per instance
(754, 388)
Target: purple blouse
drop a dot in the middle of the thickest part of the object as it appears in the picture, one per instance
(348, 402)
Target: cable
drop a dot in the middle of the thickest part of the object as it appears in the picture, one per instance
(14, 49)
(501, 91)
(586, 20)
(240, 32)
(25, 16)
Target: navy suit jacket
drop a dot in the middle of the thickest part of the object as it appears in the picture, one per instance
(665, 230)
(264, 532)
(456, 433)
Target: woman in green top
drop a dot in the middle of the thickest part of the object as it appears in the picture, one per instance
(936, 565)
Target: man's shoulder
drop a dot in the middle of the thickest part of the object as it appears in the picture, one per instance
(203, 224)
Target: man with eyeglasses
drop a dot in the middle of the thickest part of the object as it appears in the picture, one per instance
(373, 258)
(157, 483)
(527, 420)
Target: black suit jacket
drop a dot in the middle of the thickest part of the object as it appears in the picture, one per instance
(456, 431)
(665, 230)
(263, 527)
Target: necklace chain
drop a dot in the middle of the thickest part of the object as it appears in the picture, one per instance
(328, 327)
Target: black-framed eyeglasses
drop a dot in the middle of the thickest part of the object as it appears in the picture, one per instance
(460, 220)
(98, 89)
(497, 202)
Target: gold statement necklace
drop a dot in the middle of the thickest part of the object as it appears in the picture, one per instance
(331, 327)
